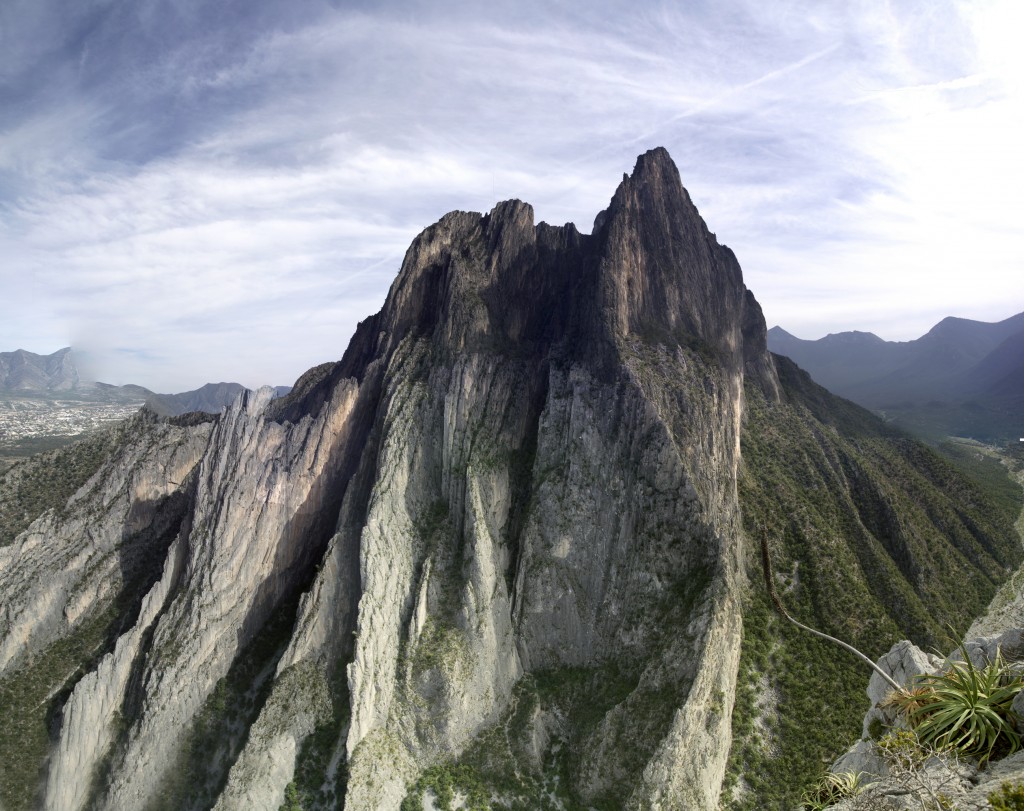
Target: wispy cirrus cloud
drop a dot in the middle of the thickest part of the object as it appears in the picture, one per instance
(226, 188)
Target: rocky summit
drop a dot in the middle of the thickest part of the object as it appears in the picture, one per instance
(496, 553)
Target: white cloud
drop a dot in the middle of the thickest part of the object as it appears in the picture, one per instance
(233, 205)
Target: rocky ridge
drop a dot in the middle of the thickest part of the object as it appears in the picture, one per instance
(21, 370)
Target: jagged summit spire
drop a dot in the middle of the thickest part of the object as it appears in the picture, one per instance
(655, 164)
(650, 269)
(664, 273)
(656, 176)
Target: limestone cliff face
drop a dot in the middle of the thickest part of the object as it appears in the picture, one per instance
(503, 530)
(63, 567)
(555, 486)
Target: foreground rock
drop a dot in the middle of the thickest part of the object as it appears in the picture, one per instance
(915, 778)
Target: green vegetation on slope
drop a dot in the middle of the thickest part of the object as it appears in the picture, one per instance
(503, 770)
(13, 451)
(874, 538)
(990, 419)
(219, 730)
(314, 786)
(982, 465)
(48, 480)
(535, 756)
(29, 698)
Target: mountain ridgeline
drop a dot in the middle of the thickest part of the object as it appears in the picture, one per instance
(962, 377)
(27, 371)
(211, 399)
(500, 547)
(57, 375)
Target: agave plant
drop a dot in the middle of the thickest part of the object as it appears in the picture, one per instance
(908, 702)
(967, 708)
(832, 788)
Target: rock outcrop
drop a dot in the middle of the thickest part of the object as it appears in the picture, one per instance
(917, 779)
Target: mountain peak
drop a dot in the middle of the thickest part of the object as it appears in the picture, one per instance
(663, 273)
(519, 491)
(22, 370)
(853, 336)
(513, 210)
(654, 162)
(656, 180)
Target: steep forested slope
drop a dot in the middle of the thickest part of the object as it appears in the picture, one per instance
(875, 538)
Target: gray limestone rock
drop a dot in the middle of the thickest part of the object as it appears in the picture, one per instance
(63, 569)
(260, 489)
(862, 758)
(985, 649)
(959, 780)
(904, 662)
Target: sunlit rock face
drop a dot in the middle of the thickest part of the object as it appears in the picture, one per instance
(503, 526)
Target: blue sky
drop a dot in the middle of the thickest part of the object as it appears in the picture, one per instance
(202, 191)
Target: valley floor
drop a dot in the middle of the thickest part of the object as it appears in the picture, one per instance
(31, 425)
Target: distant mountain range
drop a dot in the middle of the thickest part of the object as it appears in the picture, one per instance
(962, 377)
(210, 398)
(26, 371)
(27, 374)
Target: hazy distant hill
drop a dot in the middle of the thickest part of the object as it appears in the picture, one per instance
(26, 374)
(211, 398)
(1001, 372)
(962, 376)
(841, 360)
(27, 371)
(46, 404)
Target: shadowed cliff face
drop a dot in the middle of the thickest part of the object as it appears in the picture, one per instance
(661, 273)
(554, 484)
(650, 270)
(524, 464)
(501, 532)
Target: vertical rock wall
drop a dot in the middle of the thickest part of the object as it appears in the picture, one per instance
(518, 487)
